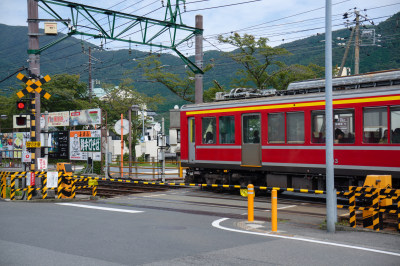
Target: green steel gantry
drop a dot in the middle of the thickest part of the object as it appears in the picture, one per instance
(112, 31)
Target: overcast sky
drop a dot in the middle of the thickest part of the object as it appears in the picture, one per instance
(281, 21)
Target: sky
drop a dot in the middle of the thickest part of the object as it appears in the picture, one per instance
(280, 21)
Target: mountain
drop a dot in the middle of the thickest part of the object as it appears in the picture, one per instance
(111, 66)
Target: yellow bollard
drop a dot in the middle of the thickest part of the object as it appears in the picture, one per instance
(180, 170)
(250, 203)
(274, 210)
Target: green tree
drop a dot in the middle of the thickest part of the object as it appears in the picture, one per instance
(67, 93)
(181, 85)
(261, 67)
(119, 100)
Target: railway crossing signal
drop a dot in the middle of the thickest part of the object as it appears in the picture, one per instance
(21, 105)
(33, 86)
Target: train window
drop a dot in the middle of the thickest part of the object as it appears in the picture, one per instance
(276, 128)
(295, 127)
(395, 124)
(251, 128)
(375, 125)
(344, 126)
(227, 129)
(208, 125)
(318, 126)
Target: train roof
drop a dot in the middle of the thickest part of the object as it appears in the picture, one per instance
(369, 84)
(304, 97)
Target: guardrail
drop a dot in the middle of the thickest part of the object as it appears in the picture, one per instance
(138, 169)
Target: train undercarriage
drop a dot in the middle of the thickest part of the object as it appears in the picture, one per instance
(314, 181)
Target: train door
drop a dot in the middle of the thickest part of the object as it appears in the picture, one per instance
(251, 140)
(191, 140)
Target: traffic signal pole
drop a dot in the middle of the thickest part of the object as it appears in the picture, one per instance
(34, 71)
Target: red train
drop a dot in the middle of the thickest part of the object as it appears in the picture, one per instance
(280, 140)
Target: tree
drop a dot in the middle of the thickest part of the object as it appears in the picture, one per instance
(119, 100)
(67, 93)
(260, 65)
(181, 85)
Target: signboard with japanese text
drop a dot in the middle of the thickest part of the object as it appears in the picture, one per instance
(84, 144)
(56, 119)
(59, 145)
(85, 117)
(42, 163)
(52, 179)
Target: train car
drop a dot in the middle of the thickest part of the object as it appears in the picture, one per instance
(279, 140)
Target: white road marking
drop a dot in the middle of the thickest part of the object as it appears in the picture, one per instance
(281, 208)
(155, 195)
(286, 207)
(98, 208)
(216, 224)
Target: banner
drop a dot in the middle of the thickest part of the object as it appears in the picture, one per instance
(84, 144)
(85, 117)
(56, 119)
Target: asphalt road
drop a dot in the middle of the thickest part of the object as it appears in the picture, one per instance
(148, 229)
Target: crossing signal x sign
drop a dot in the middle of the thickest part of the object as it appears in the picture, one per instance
(33, 86)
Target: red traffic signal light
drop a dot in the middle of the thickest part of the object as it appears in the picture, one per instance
(21, 105)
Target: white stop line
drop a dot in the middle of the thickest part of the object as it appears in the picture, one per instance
(98, 208)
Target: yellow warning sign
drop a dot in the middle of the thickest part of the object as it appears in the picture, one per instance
(33, 144)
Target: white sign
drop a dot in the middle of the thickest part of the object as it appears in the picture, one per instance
(30, 178)
(56, 119)
(52, 179)
(42, 163)
(26, 157)
(85, 117)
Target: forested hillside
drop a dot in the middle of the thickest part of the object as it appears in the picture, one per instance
(70, 56)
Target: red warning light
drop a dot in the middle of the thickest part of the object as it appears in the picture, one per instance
(21, 105)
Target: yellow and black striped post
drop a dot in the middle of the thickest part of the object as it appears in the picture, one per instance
(94, 191)
(12, 187)
(73, 189)
(398, 212)
(60, 180)
(30, 193)
(3, 184)
(371, 219)
(352, 205)
(44, 187)
(33, 132)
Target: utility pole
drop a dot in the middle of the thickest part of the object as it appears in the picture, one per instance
(346, 52)
(90, 74)
(330, 175)
(199, 61)
(34, 71)
(357, 45)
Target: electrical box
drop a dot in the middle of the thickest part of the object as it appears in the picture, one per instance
(50, 28)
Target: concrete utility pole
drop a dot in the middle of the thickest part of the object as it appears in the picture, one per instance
(130, 140)
(198, 85)
(90, 74)
(330, 175)
(357, 45)
(346, 52)
(34, 69)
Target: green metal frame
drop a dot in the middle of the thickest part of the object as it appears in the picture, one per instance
(114, 33)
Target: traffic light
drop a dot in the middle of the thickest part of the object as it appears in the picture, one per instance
(21, 105)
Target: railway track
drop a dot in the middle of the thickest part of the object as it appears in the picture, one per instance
(195, 196)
